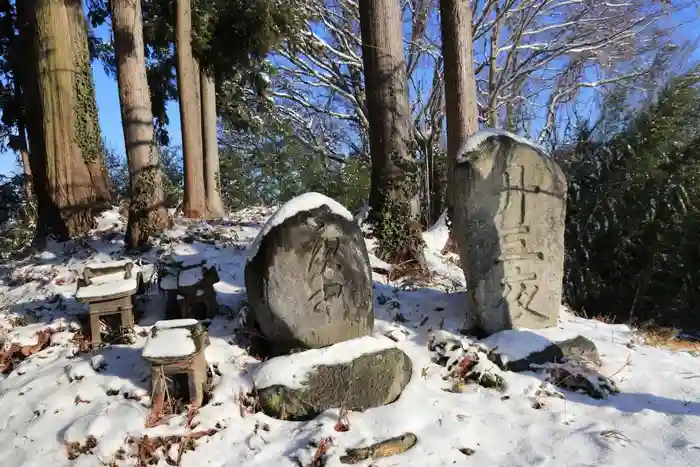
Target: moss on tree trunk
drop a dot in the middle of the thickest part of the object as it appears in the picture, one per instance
(395, 183)
(71, 162)
(147, 213)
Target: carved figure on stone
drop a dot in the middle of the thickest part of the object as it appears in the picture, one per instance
(308, 276)
(509, 223)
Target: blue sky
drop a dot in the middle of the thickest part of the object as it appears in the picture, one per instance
(110, 118)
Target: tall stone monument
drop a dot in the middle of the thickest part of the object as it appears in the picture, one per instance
(508, 220)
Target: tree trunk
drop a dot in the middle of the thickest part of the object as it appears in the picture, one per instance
(211, 146)
(73, 160)
(194, 205)
(27, 170)
(147, 213)
(460, 87)
(46, 209)
(19, 144)
(394, 170)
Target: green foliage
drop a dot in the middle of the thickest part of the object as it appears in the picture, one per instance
(17, 216)
(11, 198)
(230, 38)
(11, 104)
(272, 166)
(633, 215)
(230, 34)
(171, 167)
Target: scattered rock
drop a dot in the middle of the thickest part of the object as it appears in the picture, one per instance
(464, 361)
(508, 221)
(386, 448)
(355, 375)
(309, 281)
(518, 350)
(578, 377)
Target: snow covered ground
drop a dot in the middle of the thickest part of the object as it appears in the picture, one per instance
(94, 405)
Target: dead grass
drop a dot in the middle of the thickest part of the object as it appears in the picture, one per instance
(76, 449)
(12, 354)
(409, 269)
(666, 338)
(148, 451)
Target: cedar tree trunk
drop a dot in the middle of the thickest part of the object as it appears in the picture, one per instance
(73, 161)
(147, 213)
(460, 87)
(211, 146)
(194, 205)
(394, 170)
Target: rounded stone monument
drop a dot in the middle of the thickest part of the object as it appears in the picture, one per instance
(308, 276)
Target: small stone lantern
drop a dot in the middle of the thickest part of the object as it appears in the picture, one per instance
(175, 349)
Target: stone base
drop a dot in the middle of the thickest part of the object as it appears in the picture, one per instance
(356, 375)
(196, 371)
(121, 306)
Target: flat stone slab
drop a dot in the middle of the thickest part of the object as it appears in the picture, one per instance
(171, 340)
(187, 273)
(356, 375)
(108, 280)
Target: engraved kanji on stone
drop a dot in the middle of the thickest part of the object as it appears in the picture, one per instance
(320, 263)
(520, 283)
(509, 210)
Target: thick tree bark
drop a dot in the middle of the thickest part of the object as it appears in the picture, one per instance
(460, 86)
(211, 146)
(33, 121)
(72, 160)
(147, 213)
(194, 205)
(394, 169)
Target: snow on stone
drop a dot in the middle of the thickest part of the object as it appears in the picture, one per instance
(109, 284)
(175, 323)
(190, 276)
(177, 277)
(98, 362)
(106, 285)
(47, 255)
(514, 346)
(170, 343)
(301, 203)
(61, 338)
(657, 408)
(477, 139)
(292, 370)
(109, 219)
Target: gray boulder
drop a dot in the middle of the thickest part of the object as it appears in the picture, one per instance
(308, 278)
(518, 350)
(508, 221)
(356, 375)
